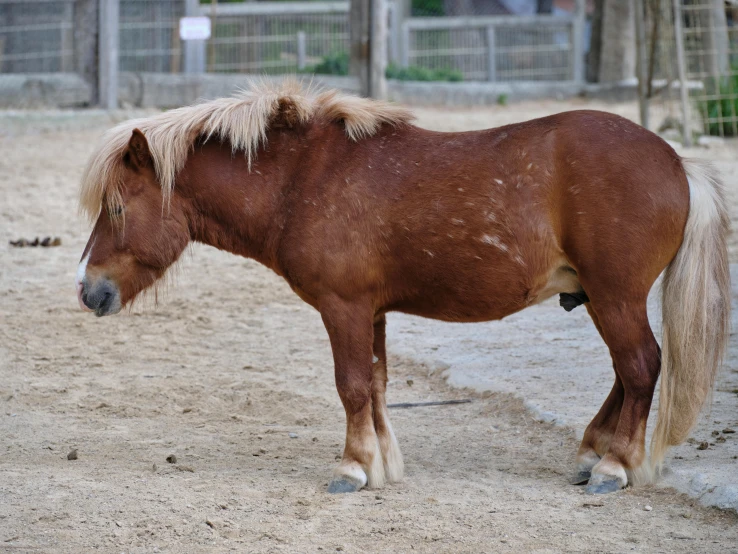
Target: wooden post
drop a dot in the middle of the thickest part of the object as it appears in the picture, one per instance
(682, 70)
(108, 53)
(378, 50)
(641, 62)
(491, 55)
(194, 50)
(359, 30)
(301, 50)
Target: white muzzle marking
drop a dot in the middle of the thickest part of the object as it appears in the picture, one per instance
(79, 280)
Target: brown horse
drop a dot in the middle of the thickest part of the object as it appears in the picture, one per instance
(362, 214)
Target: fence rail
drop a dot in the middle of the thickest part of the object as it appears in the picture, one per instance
(495, 48)
(36, 36)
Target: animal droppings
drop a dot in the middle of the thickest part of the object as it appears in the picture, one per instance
(172, 459)
(45, 242)
(72, 455)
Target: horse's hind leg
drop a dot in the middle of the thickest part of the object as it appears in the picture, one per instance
(635, 353)
(391, 455)
(599, 432)
(350, 329)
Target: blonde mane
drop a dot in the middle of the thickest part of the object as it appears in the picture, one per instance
(242, 119)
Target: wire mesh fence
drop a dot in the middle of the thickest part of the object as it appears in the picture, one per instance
(258, 41)
(536, 48)
(709, 32)
(36, 36)
(470, 40)
(711, 56)
(149, 35)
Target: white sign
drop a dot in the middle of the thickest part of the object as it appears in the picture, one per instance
(194, 28)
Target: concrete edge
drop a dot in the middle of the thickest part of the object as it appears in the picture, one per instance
(169, 90)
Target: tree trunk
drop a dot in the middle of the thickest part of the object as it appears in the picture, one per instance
(618, 47)
(359, 22)
(595, 44)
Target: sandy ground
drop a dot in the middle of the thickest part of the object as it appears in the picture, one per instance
(231, 363)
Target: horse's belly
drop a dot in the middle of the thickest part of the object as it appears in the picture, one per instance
(457, 296)
(485, 292)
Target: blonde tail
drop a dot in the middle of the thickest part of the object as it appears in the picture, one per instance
(696, 311)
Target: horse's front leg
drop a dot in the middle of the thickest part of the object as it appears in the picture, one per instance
(351, 332)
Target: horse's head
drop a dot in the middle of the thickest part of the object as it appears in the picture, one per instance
(137, 236)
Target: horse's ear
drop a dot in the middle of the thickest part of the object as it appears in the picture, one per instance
(138, 154)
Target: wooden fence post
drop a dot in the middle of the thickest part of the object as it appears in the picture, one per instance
(682, 71)
(359, 30)
(86, 25)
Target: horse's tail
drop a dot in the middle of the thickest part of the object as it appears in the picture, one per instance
(696, 311)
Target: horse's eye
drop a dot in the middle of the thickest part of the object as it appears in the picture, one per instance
(117, 211)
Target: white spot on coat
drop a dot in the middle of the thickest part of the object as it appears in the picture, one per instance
(494, 241)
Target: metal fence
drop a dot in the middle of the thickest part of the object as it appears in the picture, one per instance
(287, 37)
(149, 35)
(97, 39)
(275, 37)
(689, 63)
(494, 48)
(36, 36)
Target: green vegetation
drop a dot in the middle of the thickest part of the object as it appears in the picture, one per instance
(338, 64)
(332, 64)
(427, 7)
(415, 73)
(723, 104)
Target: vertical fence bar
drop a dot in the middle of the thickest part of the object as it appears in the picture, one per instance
(378, 49)
(405, 49)
(108, 53)
(301, 50)
(194, 50)
(67, 39)
(577, 43)
(399, 12)
(682, 70)
(641, 63)
(360, 30)
(491, 55)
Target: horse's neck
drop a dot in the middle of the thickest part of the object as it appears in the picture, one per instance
(235, 209)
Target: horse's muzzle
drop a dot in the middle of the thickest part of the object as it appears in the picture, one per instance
(102, 297)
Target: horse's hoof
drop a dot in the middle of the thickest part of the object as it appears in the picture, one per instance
(580, 478)
(343, 484)
(604, 487)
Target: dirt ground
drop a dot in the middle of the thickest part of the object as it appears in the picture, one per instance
(232, 374)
